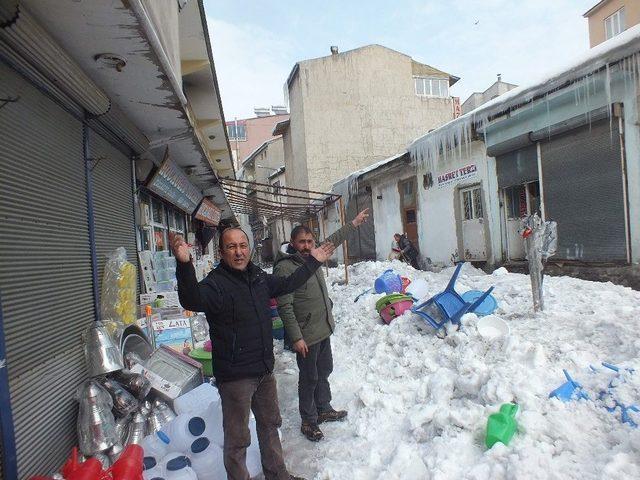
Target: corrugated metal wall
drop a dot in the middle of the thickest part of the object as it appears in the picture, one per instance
(45, 270)
(112, 201)
(583, 192)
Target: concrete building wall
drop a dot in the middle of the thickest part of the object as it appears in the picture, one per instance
(386, 212)
(258, 130)
(440, 214)
(296, 163)
(358, 107)
(597, 33)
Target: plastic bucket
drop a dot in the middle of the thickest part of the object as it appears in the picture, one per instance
(488, 305)
(388, 282)
(418, 289)
(394, 310)
(492, 327)
(204, 357)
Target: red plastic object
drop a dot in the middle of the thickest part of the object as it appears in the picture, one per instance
(405, 283)
(129, 465)
(72, 464)
(526, 232)
(91, 469)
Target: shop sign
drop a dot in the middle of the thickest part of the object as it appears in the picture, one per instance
(456, 175)
(172, 184)
(208, 212)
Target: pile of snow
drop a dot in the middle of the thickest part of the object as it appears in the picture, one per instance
(418, 405)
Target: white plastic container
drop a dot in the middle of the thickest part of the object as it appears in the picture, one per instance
(254, 465)
(492, 327)
(196, 400)
(155, 447)
(418, 289)
(206, 460)
(179, 468)
(155, 473)
(183, 430)
(213, 418)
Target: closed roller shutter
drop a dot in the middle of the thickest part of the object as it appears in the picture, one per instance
(112, 201)
(517, 167)
(583, 192)
(45, 270)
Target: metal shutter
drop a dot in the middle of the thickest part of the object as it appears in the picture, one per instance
(583, 192)
(45, 270)
(112, 201)
(517, 167)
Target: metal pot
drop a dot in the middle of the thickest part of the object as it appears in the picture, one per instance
(102, 355)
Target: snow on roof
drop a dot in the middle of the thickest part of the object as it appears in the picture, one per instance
(601, 56)
(353, 176)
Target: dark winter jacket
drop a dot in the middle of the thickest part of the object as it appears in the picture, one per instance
(407, 247)
(306, 313)
(236, 304)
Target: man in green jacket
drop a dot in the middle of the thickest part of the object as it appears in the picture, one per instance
(307, 318)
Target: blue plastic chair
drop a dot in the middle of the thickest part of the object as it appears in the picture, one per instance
(447, 306)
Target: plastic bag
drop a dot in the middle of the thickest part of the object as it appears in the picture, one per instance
(118, 299)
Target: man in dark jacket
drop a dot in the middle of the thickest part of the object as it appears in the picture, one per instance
(407, 249)
(235, 298)
(308, 321)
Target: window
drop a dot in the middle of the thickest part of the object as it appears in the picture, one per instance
(237, 131)
(614, 24)
(431, 87)
(472, 203)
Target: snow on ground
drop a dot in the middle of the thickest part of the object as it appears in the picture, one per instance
(418, 405)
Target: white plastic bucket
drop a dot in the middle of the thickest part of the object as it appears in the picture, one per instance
(418, 289)
(492, 327)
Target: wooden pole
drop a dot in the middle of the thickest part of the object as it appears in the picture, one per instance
(345, 244)
(324, 234)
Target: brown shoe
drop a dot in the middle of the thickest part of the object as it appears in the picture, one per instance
(332, 416)
(312, 432)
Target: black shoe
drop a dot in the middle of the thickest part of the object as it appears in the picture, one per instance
(293, 477)
(332, 416)
(312, 432)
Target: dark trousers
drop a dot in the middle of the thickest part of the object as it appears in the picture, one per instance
(314, 392)
(260, 396)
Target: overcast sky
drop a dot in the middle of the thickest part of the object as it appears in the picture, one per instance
(256, 43)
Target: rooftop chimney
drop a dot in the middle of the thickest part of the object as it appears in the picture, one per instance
(499, 77)
(334, 50)
(262, 111)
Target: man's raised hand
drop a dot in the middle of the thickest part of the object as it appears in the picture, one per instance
(323, 252)
(179, 247)
(360, 218)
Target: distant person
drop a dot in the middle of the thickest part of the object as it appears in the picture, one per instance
(407, 249)
(235, 298)
(308, 322)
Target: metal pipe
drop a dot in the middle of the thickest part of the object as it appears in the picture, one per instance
(91, 219)
(9, 455)
(345, 246)
(152, 36)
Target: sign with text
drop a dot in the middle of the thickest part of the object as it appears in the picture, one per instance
(172, 184)
(453, 176)
(208, 212)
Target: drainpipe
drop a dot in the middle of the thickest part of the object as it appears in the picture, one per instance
(9, 455)
(88, 167)
(152, 36)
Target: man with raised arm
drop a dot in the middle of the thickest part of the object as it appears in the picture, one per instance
(235, 298)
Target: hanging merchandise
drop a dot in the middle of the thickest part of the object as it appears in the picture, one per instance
(541, 240)
(118, 298)
(96, 425)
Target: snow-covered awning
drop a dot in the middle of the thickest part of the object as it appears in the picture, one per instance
(458, 132)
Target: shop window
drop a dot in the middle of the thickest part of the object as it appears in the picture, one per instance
(237, 131)
(472, 203)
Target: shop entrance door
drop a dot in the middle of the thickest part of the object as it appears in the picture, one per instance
(408, 208)
(473, 237)
(519, 201)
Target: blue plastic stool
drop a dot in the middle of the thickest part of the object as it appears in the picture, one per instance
(570, 390)
(448, 306)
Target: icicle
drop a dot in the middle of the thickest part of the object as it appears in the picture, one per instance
(607, 89)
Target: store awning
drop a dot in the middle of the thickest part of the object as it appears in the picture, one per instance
(275, 202)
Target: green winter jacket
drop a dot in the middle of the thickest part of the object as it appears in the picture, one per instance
(306, 313)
